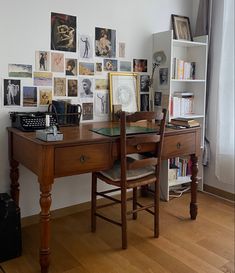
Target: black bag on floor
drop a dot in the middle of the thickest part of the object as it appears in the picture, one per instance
(10, 228)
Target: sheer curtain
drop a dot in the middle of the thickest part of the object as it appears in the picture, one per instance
(224, 161)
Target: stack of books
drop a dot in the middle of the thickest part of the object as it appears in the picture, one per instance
(182, 70)
(186, 122)
(182, 103)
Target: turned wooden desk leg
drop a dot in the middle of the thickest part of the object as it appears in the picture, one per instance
(14, 175)
(193, 204)
(45, 203)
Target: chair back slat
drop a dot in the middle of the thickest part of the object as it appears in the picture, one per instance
(137, 140)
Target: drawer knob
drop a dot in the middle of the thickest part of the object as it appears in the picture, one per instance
(82, 158)
(138, 147)
(178, 145)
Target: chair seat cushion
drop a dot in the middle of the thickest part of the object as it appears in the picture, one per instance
(115, 173)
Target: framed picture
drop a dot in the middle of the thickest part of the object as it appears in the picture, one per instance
(181, 27)
(124, 91)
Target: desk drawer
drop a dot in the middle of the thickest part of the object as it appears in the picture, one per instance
(82, 159)
(179, 145)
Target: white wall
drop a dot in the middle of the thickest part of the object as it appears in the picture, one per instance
(25, 27)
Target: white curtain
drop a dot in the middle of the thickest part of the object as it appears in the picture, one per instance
(224, 165)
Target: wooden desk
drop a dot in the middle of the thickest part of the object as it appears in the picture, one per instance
(83, 151)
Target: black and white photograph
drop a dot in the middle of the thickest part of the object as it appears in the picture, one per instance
(86, 87)
(87, 111)
(105, 42)
(85, 47)
(42, 61)
(101, 103)
(163, 76)
(144, 83)
(144, 102)
(157, 98)
(63, 32)
(11, 92)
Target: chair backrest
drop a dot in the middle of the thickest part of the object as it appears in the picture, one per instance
(141, 143)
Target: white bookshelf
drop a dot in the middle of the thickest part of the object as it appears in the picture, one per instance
(188, 51)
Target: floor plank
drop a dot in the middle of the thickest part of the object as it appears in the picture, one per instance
(184, 246)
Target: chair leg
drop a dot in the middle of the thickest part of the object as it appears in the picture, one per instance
(93, 202)
(156, 208)
(123, 218)
(134, 204)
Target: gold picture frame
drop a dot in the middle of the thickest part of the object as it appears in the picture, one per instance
(124, 92)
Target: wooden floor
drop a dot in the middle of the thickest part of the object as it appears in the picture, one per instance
(184, 246)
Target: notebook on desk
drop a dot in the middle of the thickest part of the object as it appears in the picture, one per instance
(130, 130)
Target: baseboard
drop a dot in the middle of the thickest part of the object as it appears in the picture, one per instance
(221, 193)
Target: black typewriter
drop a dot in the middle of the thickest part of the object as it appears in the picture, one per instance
(30, 121)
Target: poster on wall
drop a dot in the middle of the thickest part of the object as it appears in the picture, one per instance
(20, 70)
(105, 42)
(11, 92)
(45, 96)
(101, 103)
(63, 32)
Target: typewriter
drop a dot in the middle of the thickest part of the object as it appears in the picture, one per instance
(30, 121)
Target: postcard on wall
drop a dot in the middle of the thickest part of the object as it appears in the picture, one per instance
(42, 78)
(11, 92)
(125, 66)
(57, 62)
(42, 60)
(105, 42)
(110, 65)
(86, 87)
(85, 47)
(20, 70)
(45, 96)
(144, 102)
(122, 50)
(63, 32)
(30, 98)
(72, 87)
(87, 111)
(71, 67)
(163, 76)
(140, 65)
(101, 84)
(101, 103)
(157, 98)
(86, 68)
(144, 83)
(59, 86)
(98, 68)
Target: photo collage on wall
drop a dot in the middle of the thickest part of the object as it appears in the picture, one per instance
(75, 68)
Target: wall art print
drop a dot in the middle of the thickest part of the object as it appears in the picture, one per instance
(63, 32)
(30, 96)
(105, 42)
(11, 92)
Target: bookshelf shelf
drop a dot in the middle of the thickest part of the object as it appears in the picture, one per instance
(185, 92)
(191, 81)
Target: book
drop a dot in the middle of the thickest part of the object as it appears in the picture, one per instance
(184, 122)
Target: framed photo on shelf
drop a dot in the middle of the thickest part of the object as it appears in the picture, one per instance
(124, 91)
(181, 27)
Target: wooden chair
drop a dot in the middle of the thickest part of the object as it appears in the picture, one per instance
(133, 169)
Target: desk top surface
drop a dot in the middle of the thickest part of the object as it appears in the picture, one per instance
(83, 134)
